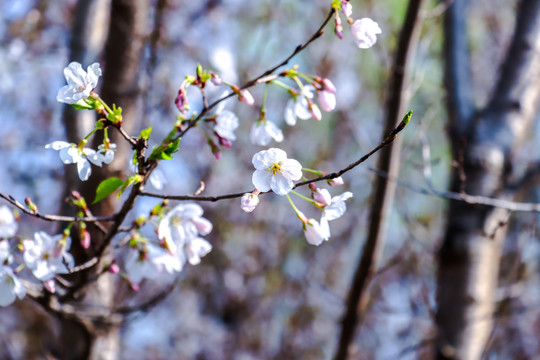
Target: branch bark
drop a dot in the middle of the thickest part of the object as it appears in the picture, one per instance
(384, 190)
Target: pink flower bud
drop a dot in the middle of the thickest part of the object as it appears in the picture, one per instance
(85, 239)
(246, 97)
(328, 85)
(181, 101)
(327, 100)
(50, 286)
(339, 27)
(216, 80)
(224, 142)
(114, 268)
(314, 110)
(134, 287)
(346, 7)
(336, 181)
(249, 202)
(322, 197)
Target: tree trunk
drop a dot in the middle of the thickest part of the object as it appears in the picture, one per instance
(486, 141)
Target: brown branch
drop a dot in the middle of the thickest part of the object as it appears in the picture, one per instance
(384, 191)
(60, 218)
(333, 175)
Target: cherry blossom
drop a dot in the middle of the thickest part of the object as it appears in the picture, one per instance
(346, 8)
(365, 32)
(299, 107)
(315, 233)
(262, 132)
(336, 181)
(80, 82)
(10, 286)
(151, 260)
(274, 171)
(246, 97)
(226, 123)
(8, 225)
(47, 255)
(321, 196)
(182, 227)
(249, 201)
(196, 248)
(334, 211)
(71, 154)
(107, 152)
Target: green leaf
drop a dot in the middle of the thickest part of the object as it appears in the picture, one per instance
(165, 153)
(145, 133)
(83, 105)
(107, 187)
(135, 179)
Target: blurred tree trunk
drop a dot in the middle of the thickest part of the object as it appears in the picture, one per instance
(483, 144)
(120, 85)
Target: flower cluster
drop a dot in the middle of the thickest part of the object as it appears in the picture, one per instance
(364, 30)
(45, 256)
(179, 241)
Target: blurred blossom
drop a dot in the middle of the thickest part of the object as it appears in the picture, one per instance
(48, 255)
(274, 171)
(262, 132)
(249, 202)
(80, 82)
(365, 32)
(8, 225)
(327, 100)
(150, 261)
(299, 107)
(196, 248)
(346, 7)
(226, 123)
(334, 211)
(10, 286)
(71, 154)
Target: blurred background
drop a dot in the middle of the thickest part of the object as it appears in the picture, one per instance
(264, 292)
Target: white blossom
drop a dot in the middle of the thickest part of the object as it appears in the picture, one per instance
(226, 123)
(71, 154)
(334, 211)
(10, 286)
(315, 233)
(365, 32)
(80, 82)
(181, 228)
(322, 196)
(47, 255)
(274, 171)
(107, 154)
(196, 248)
(327, 100)
(8, 224)
(150, 261)
(262, 132)
(299, 107)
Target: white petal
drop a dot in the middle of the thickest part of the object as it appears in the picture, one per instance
(292, 169)
(290, 113)
(281, 185)
(84, 169)
(57, 145)
(261, 180)
(196, 249)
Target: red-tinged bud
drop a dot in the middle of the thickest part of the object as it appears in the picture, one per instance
(216, 79)
(313, 187)
(224, 142)
(49, 285)
(114, 268)
(314, 110)
(336, 181)
(85, 239)
(339, 28)
(134, 287)
(181, 101)
(328, 85)
(31, 205)
(214, 148)
(322, 197)
(76, 195)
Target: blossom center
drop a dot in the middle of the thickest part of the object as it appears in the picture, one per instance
(275, 168)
